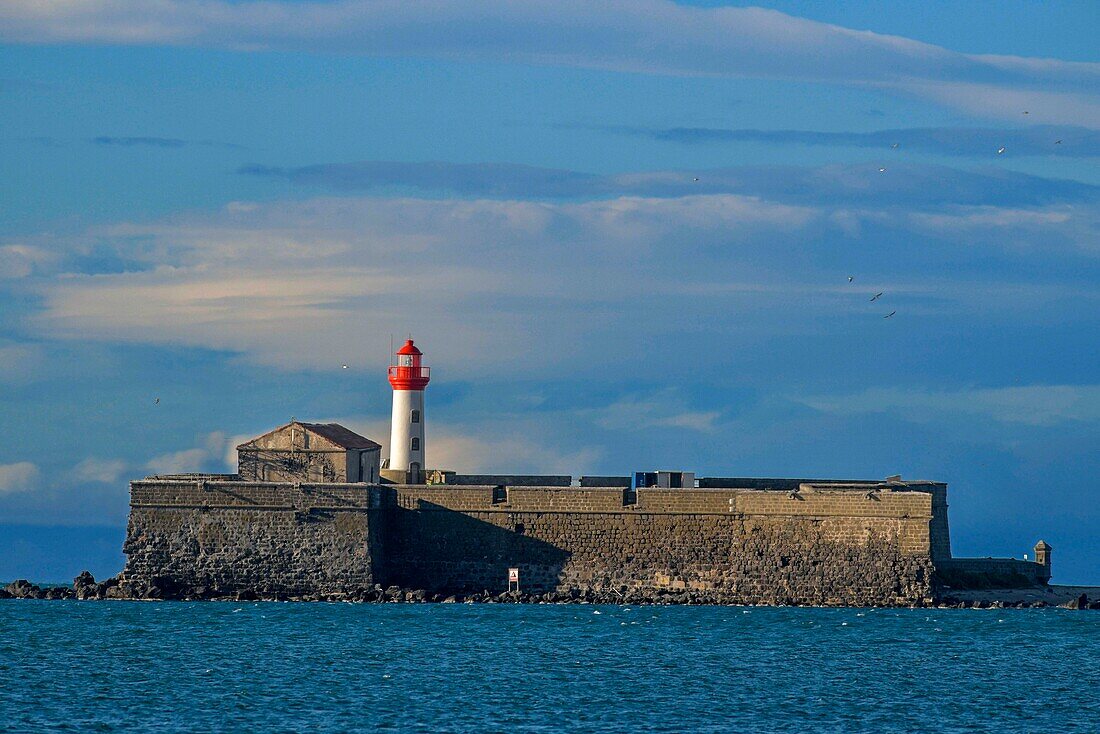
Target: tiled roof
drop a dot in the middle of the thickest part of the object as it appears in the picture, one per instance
(341, 436)
(334, 432)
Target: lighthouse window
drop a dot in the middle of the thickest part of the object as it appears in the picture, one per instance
(416, 416)
(416, 443)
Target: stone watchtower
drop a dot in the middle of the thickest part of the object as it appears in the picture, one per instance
(1042, 557)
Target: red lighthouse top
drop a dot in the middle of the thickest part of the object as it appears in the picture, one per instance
(408, 374)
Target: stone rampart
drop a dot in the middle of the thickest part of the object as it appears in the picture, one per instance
(217, 538)
(809, 544)
(821, 547)
(978, 573)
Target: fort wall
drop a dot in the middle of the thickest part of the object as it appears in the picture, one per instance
(978, 573)
(813, 545)
(203, 537)
(741, 546)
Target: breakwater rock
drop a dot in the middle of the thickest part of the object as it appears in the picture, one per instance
(85, 587)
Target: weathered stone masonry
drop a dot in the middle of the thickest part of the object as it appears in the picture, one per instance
(231, 537)
(819, 545)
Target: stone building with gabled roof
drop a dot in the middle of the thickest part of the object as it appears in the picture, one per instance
(309, 452)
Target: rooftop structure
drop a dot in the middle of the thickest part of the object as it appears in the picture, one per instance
(309, 452)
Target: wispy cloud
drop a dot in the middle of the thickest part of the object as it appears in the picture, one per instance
(19, 261)
(18, 477)
(1040, 140)
(104, 471)
(860, 184)
(646, 36)
(467, 274)
(1035, 405)
(209, 456)
(285, 282)
(482, 179)
(153, 142)
(665, 409)
(483, 447)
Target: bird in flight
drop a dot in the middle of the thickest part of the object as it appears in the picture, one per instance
(889, 314)
(1000, 150)
(1025, 112)
(343, 366)
(882, 170)
(876, 296)
(696, 178)
(850, 279)
(1057, 142)
(156, 401)
(894, 146)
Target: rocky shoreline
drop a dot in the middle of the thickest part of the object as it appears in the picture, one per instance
(85, 587)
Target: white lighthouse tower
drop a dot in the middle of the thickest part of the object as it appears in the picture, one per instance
(408, 378)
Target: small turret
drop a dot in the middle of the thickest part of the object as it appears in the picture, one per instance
(1042, 557)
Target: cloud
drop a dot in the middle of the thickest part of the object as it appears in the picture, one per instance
(178, 462)
(639, 36)
(1039, 140)
(18, 477)
(1021, 228)
(286, 283)
(205, 458)
(482, 448)
(853, 184)
(131, 142)
(152, 142)
(1032, 405)
(104, 471)
(20, 261)
(662, 410)
(481, 179)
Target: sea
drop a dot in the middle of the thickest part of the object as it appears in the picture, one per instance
(317, 667)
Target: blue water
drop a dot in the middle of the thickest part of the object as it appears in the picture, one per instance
(132, 666)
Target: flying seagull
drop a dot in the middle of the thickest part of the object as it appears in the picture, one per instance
(1057, 142)
(156, 401)
(1000, 150)
(1025, 112)
(889, 314)
(882, 170)
(696, 178)
(894, 146)
(343, 366)
(849, 279)
(876, 296)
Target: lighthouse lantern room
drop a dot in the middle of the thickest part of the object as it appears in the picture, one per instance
(408, 378)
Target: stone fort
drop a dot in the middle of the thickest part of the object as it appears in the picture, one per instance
(314, 512)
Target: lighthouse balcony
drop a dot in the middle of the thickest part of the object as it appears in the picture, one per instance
(410, 373)
(403, 377)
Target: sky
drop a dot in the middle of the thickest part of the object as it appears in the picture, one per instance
(627, 235)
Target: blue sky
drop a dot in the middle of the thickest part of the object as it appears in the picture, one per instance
(622, 233)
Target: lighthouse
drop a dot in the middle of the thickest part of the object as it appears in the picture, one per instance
(408, 378)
